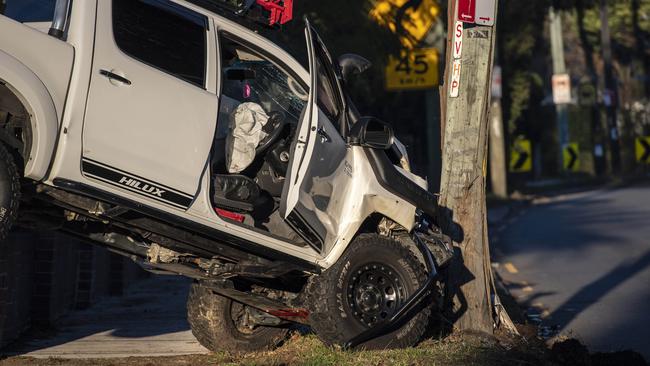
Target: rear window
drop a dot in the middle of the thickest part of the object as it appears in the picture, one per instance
(163, 35)
(29, 10)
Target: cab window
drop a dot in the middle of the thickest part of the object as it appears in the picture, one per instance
(163, 35)
(28, 10)
(327, 95)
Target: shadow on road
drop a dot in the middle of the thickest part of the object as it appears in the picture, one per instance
(586, 259)
(150, 319)
(597, 289)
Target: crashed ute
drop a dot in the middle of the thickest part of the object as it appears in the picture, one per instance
(180, 138)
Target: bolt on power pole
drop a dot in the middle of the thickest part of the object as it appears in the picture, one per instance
(610, 95)
(559, 68)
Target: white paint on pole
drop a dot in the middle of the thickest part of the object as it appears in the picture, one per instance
(497, 88)
(561, 89)
(454, 86)
(485, 12)
(458, 40)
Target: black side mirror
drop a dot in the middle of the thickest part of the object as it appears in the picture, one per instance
(352, 64)
(239, 73)
(373, 133)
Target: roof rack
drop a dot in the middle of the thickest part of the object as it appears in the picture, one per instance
(270, 13)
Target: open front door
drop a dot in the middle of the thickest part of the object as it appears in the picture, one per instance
(318, 165)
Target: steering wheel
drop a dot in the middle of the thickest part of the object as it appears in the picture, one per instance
(273, 128)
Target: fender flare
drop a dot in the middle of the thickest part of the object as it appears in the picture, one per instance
(44, 119)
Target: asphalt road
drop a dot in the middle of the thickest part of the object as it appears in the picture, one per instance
(582, 262)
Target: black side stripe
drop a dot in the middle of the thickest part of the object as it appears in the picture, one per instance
(133, 183)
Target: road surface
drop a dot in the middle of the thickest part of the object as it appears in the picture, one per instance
(149, 320)
(582, 261)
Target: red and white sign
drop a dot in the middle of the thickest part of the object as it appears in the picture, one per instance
(482, 12)
(467, 10)
(485, 12)
(458, 40)
(454, 85)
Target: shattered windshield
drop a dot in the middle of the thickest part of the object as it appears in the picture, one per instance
(257, 79)
(275, 90)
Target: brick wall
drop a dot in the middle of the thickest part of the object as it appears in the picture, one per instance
(45, 275)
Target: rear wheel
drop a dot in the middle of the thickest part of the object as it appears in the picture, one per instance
(9, 192)
(373, 278)
(221, 324)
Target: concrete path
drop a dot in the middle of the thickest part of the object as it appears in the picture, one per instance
(148, 321)
(582, 262)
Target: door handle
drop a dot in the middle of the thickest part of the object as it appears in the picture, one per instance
(113, 76)
(323, 135)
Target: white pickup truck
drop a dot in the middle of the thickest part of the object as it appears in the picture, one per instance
(171, 134)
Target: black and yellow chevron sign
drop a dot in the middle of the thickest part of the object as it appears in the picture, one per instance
(571, 157)
(642, 149)
(521, 156)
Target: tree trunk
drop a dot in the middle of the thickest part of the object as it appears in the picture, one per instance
(463, 180)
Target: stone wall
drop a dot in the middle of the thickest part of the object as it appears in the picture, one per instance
(44, 275)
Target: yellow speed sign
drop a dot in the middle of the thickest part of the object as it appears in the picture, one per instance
(416, 69)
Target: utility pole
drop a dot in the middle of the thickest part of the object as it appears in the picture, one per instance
(497, 145)
(610, 96)
(462, 201)
(559, 68)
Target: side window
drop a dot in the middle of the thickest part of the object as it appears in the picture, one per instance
(248, 76)
(163, 35)
(327, 93)
(28, 10)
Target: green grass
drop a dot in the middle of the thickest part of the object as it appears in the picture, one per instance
(309, 351)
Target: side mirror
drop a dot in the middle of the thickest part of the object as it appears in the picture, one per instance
(373, 133)
(239, 73)
(352, 64)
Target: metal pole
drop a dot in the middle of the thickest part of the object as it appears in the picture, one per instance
(559, 67)
(611, 92)
(60, 21)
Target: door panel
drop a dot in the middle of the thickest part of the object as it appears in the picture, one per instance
(318, 170)
(149, 119)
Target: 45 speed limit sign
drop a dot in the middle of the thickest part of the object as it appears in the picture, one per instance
(416, 69)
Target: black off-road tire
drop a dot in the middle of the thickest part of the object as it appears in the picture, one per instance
(9, 192)
(331, 296)
(211, 318)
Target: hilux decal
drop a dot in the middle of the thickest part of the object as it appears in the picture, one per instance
(133, 183)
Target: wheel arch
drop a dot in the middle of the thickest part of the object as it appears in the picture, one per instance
(403, 219)
(29, 90)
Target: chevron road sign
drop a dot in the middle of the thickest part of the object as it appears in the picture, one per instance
(642, 150)
(521, 156)
(571, 157)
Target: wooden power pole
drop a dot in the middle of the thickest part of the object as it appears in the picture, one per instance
(462, 201)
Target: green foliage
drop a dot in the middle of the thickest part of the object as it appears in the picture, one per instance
(521, 45)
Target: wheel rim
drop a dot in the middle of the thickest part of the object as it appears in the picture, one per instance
(241, 320)
(374, 293)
